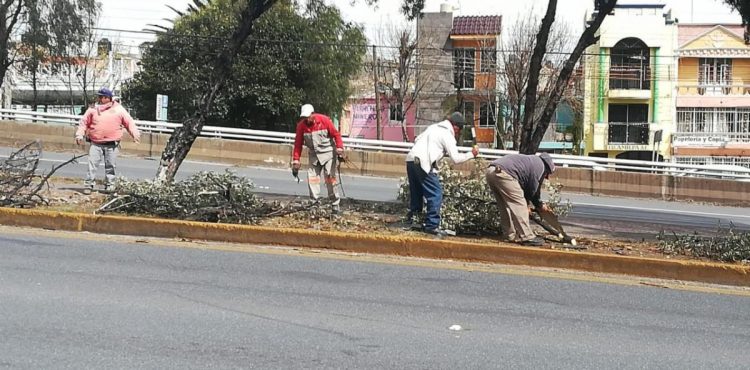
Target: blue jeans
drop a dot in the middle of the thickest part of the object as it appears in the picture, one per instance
(427, 186)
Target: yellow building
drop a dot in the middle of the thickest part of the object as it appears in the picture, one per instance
(713, 96)
(629, 84)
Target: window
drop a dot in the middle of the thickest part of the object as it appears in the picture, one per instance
(628, 123)
(487, 114)
(713, 120)
(714, 75)
(488, 63)
(629, 67)
(705, 160)
(468, 111)
(463, 68)
(468, 132)
(397, 112)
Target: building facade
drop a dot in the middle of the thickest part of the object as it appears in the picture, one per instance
(713, 96)
(359, 119)
(629, 77)
(64, 86)
(457, 67)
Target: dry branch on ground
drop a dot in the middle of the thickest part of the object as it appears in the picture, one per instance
(20, 184)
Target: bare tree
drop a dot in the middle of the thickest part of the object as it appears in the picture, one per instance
(10, 17)
(399, 71)
(533, 128)
(516, 60)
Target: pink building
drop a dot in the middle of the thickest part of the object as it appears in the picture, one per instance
(359, 120)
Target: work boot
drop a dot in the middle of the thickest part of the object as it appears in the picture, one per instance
(536, 242)
(411, 225)
(440, 233)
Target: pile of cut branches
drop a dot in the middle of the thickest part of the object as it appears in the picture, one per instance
(728, 245)
(20, 185)
(468, 204)
(206, 196)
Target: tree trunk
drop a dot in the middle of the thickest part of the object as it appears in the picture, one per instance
(34, 90)
(182, 138)
(535, 67)
(530, 144)
(7, 26)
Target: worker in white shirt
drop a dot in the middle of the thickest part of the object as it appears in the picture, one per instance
(429, 148)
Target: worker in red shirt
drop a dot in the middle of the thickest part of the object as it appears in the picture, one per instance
(325, 148)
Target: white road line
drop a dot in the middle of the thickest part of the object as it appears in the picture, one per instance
(661, 210)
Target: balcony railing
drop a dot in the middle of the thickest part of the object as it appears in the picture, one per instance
(710, 138)
(629, 78)
(628, 133)
(714, 89)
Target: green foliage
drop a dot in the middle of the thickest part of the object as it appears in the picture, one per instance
(293, 57)
(728, 245)
(468, 204)
(412, 9)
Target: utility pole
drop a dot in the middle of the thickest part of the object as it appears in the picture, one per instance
(378, 136)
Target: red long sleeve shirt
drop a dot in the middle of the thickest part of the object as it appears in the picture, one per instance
(320, 137)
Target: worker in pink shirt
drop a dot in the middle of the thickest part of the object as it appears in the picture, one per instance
(102, 127)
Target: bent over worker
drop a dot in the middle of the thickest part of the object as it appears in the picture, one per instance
(324, 146)
(422, 166)
(516, 180)
(102, 127)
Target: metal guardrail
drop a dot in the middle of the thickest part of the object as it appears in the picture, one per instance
(593, 163)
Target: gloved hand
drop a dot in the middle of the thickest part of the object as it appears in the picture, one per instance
(295, 169)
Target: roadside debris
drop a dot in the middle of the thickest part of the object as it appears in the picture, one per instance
(728, 245)
(20, 184)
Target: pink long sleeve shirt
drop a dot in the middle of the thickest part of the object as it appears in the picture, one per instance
(104, 124)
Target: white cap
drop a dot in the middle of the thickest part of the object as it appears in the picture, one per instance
(306, 110)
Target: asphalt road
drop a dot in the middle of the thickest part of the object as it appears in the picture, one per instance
(73, 301)
(278, 181)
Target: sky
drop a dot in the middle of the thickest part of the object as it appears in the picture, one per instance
(137, 14)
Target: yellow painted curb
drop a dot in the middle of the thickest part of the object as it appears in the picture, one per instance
(715, 273)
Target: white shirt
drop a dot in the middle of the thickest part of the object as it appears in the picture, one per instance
(433, 144)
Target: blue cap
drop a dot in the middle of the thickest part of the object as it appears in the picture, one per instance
(104, 92)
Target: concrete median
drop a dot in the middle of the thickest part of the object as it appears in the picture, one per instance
(617, 183)
(715, 273)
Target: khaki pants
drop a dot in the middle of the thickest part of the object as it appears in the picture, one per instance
(514, 210)
(328, 170)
